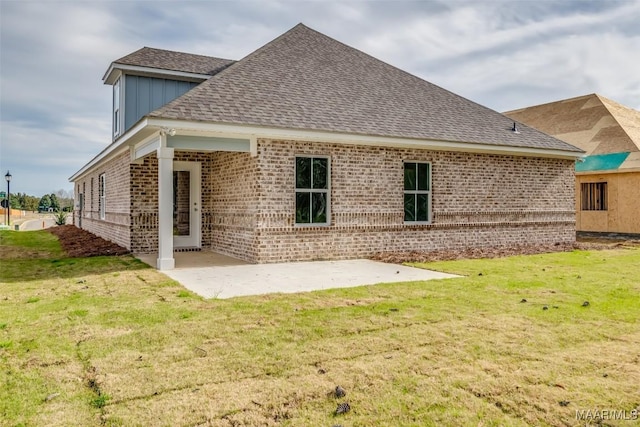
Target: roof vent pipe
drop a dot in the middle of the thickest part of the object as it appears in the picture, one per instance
(514, 129)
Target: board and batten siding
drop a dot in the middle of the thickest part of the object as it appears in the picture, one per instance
(145, 94)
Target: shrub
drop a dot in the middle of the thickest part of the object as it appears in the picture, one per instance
(60, 217)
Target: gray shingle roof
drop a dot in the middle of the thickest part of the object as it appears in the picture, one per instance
(306, 80)
(175, 61)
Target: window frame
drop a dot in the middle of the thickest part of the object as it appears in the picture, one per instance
(117, 107)
(597, 199)
(312, 190)
(102, 195)
(417, 192)
(84, 199)
(91, 190)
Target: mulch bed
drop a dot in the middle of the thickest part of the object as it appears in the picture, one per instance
(498, 252)
(79, 243)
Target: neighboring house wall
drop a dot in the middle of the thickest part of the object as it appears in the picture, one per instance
(478, 201)
(115, 226)
(145, 94)
(622, 213)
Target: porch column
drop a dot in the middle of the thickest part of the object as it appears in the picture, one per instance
(165, 208)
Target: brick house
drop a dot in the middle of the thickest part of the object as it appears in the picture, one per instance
(608, 178)
(309, 149)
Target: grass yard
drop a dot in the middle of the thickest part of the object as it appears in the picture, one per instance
(108, 341)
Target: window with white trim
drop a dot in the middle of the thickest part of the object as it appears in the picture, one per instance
(417, 192)
(102, 199)
(91, 200)
(312, 190)
(116, 108)
(594, 196)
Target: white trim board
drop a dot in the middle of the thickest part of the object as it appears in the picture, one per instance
(109, 78)
(149, 125)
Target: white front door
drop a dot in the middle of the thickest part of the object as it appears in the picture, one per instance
(186, 205)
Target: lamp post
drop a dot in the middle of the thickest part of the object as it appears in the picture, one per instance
(8, 178)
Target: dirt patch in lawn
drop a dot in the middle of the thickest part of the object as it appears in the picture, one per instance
(80, 243)
(499, 252)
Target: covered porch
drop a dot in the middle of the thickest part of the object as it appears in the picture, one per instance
(183, 196)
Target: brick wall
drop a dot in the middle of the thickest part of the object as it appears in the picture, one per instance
(144, 200)
(248, 203)
(235, 200)
(144, 205)
(115, 226)
(228, 202)
(478, 200)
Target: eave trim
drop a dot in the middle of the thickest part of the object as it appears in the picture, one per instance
(109, 78)
(183, 127)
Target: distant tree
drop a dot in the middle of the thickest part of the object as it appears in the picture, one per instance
(30, 203)
(23, 201)
(45, 203)
(16, 200)
(65, 199)
(55, 203)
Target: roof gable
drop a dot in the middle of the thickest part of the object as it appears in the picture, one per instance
(591, 122)
(306, 80)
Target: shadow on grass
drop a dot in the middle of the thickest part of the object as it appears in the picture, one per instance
(24, 270)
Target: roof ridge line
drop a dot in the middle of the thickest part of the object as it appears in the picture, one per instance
(551, 102)
(226, 69)
(172, 51)
(258, 50)
(615, 117)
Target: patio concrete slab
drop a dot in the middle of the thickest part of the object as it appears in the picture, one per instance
(229, 281)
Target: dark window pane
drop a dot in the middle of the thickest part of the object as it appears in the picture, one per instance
(181, 203)
(409, 207)
(303, 172)
(423, 176)
(319, 207)
(320, 173)
(422, 208)
(410, 176)
(303, 207)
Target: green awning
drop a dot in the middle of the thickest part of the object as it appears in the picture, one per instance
(601, 162)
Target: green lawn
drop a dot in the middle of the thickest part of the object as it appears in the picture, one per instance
(109, 341)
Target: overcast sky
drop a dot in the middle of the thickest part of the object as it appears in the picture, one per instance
(55, 111)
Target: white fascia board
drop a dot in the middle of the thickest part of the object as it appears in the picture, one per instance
(117, 147)
(182, 127)
(111, 75)
(238, 131)
(146, 146)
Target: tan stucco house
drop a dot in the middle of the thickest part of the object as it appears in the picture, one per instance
(608, 179)
(310, 149)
